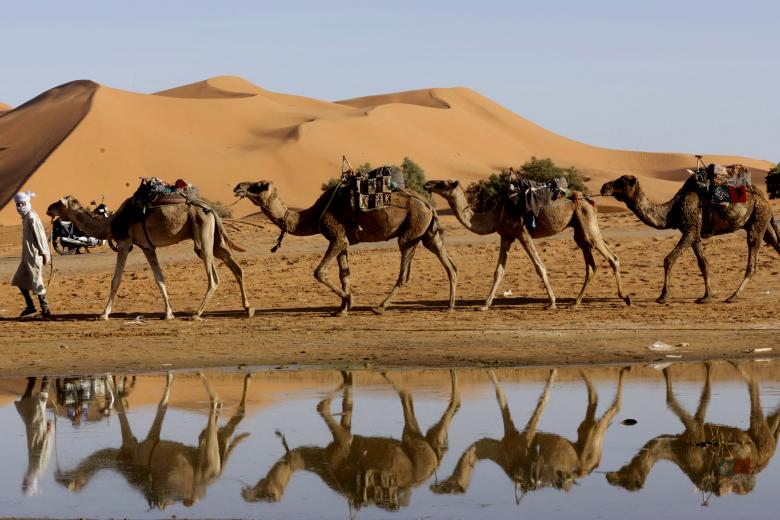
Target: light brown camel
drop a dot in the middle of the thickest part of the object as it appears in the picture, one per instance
(553, 218)
(162, 226)
(366, 470)
(409, 218)
(690, 212)
(718, 459)
(533, 459)
(165, 471)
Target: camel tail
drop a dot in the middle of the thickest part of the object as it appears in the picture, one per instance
(222, 234)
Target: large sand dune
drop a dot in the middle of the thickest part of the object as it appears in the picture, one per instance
(224, 130)
(4, 107)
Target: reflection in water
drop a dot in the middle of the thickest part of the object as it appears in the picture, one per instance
(366, 470)
(165, 471)
(32, 410)
(718, 459)
(378, 459)
(535, 459)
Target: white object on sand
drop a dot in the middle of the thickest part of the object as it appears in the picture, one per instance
(660, 346)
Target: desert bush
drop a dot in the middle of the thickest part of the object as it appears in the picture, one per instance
(483, 195)
(773, 182)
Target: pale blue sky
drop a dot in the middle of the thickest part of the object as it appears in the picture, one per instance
(690, 76)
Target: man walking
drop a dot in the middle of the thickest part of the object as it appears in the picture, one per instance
(35, 255)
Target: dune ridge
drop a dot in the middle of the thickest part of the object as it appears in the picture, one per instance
(31, 132)
(5, 108)
(223, 130)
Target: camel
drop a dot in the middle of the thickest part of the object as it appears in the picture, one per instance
(366, 470)
(162, 226)
(691, 212)
(409, 218)
(165, 471)
(533, 459)
(718, 459)
(553, 218)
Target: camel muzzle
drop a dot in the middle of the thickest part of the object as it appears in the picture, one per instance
(606, 190)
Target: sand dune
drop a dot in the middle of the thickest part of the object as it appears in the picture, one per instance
(224, 130)
(29, 134)
(4, 108)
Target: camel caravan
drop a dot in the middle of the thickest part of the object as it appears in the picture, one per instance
(375, 206)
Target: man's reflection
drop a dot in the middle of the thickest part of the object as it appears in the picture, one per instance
(39, 430)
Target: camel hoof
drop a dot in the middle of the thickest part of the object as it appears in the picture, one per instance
(450, 310)
(732, 299)
(250, 312)
(627, 299)
(339, 313)
(484, 308)
(551, 307)
(168, 317)
(662, 299)
(196, 317)
(704, 299)
(378, 310)
(103, 317)
(575, 305)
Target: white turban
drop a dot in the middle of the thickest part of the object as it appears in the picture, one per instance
(22, 200)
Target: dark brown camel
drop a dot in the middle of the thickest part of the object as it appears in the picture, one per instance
(409, 218)
(690, 212)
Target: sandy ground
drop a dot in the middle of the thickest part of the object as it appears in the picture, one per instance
(293, 326)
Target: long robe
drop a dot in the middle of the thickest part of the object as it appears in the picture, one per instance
(35, 245)
(40, 433)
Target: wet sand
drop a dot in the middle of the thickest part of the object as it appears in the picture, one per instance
(293, 326)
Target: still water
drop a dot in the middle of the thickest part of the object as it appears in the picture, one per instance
(687, 441)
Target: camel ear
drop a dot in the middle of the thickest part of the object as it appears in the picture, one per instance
(64, 201)
(455, 184)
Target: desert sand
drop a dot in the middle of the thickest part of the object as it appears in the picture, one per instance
(4, 107)
(293, 326)
(86, 139)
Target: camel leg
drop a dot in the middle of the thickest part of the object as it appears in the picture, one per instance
(224, 255)
(346, 303)
(528, 244)
(693, 425)
(407, 253)
(498, 275)
(754, 245)
(770, 235)
(602, 247)
(437, 434)
(540, 406)
(206, 254)
(411, 426)
(698, 250)
(335, 248)
(121, 259)
(346, 402)
(151, 258)
(685, 242)
(590, 268)
(208, 455)
(435, 244)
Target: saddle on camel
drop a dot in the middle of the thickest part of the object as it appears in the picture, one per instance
(526, 197)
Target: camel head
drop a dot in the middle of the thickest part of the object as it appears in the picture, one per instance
(60, 208)
(443, 188)
(260, 193)
(623, 189)
(265, 491)
(628, 478)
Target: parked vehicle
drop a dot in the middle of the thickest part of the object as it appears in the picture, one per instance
(67, 239)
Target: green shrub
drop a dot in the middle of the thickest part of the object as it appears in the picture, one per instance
(414, 176)
(773, 182)
(483, 195)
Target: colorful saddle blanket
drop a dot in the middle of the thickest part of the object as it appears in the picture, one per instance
(725, 184)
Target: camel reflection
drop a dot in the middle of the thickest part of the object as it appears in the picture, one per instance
(165, 471)
(535, 459)
(718, 459)
(366, 470)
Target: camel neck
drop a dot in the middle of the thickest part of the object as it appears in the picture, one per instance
(479, 223)
(652, 214)
(98, 227)
(300, 223)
